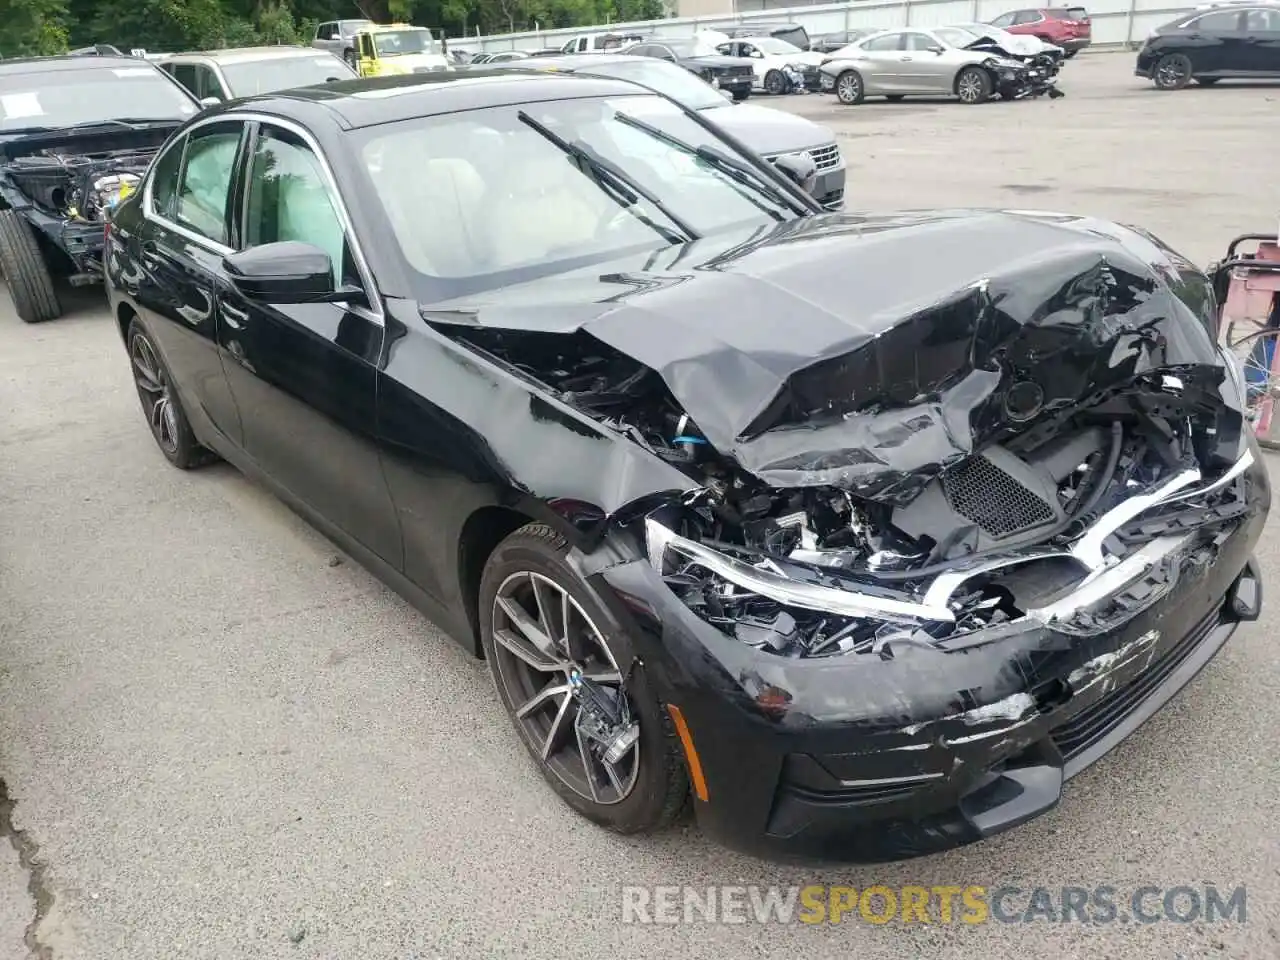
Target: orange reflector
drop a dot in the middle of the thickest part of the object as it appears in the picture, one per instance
(690, 754)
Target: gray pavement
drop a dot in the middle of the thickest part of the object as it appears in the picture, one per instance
(222, 745)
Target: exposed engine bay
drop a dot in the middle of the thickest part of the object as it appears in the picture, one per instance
(78, 187)
(1042, 493)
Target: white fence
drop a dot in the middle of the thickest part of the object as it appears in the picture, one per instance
(1114, 21)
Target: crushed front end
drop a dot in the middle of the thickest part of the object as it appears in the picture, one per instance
(67, 190)
(937, 557)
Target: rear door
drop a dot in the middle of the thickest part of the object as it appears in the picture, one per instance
(882, 66)
(1260, 42)
(304, 376)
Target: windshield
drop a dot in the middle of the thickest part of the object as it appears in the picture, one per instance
(954, 36)
(773, 45)
(283, 73)
(391, 43)
(668, 79)
(485, 198)
(64, 98)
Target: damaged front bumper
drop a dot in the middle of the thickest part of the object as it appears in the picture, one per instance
(867, 757)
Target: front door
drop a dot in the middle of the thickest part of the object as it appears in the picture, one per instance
(923, 70)
(304, 376)
(179, 244)
(1214, 42)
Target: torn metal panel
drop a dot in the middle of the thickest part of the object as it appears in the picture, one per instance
(825, 353)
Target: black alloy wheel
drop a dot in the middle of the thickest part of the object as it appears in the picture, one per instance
(1172, 72)
(578, 697)
(160, 405)
(775, 83)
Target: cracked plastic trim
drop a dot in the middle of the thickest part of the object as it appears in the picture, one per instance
(1101, 581)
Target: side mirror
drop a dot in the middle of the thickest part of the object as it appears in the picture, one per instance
(800, 169)
(285, 272)
(207, 102)
(937, 50)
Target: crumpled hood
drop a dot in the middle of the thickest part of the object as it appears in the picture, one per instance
(768, 131)
(870, 353)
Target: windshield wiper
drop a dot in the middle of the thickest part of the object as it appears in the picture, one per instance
(614, 182)
(736, 170)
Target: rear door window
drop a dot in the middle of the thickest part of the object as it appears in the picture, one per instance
(890, 41)
(1262, 21)
(1027, 16)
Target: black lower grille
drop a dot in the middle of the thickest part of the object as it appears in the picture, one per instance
(1093, 723)
(984, 494)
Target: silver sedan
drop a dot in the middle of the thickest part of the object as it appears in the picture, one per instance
(917, 62)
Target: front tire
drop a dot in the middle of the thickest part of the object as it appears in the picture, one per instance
(545, 635)
(974, 85)
(1172, 72)
(169, 425)
(775, 83)
(26, 273)
(849, 89)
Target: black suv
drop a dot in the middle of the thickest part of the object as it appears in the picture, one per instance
(76, 134)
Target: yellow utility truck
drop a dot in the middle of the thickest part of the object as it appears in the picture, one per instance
(391, 49)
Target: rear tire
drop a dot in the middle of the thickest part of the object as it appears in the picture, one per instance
(974, 85)
(849, 89)
(169, 425)
(656, 790)
(26, 273)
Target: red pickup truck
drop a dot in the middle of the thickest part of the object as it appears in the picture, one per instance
(1065, 27)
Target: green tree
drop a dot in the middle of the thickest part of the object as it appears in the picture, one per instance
(33, 27)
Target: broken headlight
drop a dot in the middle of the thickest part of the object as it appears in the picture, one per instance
(756, 600)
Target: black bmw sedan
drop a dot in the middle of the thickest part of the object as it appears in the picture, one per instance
(1235, 42)
(739, 502)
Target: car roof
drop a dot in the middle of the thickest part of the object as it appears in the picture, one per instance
(68, 63)
(373, 100)
(250, 54)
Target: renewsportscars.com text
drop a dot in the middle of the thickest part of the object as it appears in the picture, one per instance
(969, 904)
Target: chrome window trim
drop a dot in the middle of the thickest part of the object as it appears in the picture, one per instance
(374, 312)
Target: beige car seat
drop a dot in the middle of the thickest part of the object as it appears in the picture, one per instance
(434, 205)
(545, 209)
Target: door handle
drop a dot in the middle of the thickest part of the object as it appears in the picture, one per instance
(235, 317)
(904, 59)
